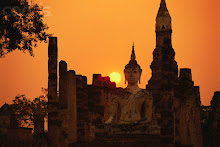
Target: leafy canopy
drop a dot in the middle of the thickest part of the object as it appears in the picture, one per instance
(24, 109)
(21, 26)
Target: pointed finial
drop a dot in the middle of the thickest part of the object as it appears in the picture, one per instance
(163, 5)
(162, 2)
(133, 53)
(163, 11)
(132, 63)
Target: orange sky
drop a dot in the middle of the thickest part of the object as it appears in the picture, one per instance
(95, 36)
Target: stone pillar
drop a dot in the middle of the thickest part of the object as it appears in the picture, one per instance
(215, 129)
(82, 108)
(72, 109)
(53, 128)
(62, 84)
(87, 115)
(63, 101)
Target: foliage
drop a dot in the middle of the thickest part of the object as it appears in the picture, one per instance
(24, 108)
(21, 26)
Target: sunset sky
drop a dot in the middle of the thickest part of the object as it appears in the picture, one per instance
(96, 36)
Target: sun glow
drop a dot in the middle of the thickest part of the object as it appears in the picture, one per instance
(115, 77)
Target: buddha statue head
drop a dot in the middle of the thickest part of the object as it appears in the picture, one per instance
(132, 70)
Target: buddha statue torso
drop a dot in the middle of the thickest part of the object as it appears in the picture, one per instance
(133, 103)
(131, 107)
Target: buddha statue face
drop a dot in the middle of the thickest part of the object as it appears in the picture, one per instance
(132, 70)
(132, 75)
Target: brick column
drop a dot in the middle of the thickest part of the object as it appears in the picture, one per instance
(72, 110)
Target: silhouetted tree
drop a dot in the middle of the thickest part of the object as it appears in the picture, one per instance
(21, 26)
(24, 108)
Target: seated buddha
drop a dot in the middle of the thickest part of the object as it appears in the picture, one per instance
(131, 118)
(132, 104)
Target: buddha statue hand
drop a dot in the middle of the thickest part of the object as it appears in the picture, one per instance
(110, 120)
(143, 121)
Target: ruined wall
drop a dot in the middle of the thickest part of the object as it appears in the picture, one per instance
(73, 102)
(188, 121)
(99, 97)
(67, 103)
(99, 101)
(61, 109)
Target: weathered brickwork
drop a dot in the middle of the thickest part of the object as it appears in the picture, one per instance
(67, 103)
(164, 78)
(54, 131)
(188, 121)
(82, 108)
(176, 99)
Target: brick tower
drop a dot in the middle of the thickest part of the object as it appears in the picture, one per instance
(164, 78)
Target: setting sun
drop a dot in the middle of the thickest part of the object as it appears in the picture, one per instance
(115, 77)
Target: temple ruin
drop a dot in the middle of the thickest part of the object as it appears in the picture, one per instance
(77, 108)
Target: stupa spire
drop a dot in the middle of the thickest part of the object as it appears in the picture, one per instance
(163, 11)
(163, 24)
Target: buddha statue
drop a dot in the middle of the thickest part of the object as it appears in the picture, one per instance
(131, 105)
(131, 120)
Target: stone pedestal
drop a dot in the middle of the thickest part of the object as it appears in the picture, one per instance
(127, 135)
(127, 139)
